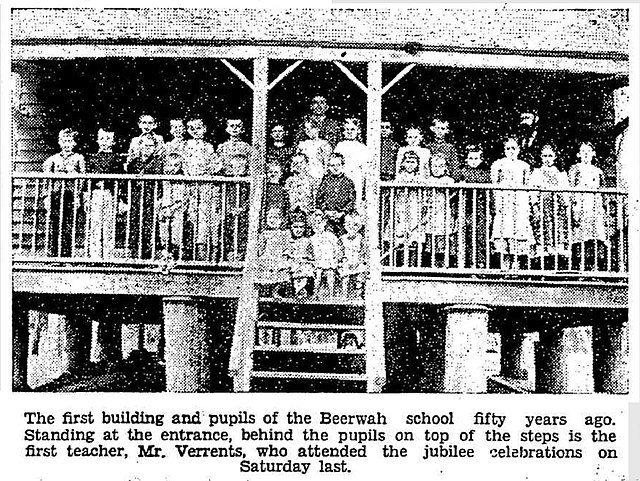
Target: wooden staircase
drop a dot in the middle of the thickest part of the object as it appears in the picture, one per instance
(299, 345)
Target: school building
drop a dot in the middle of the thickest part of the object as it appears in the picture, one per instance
(203, 326)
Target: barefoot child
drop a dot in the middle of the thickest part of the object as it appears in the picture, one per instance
(171, 211)
(325, 253)
(272, 244)
(299, 254)
(352, 267)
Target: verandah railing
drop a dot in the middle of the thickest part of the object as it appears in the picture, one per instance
(465, 228)
(487, 229)
(130, 219)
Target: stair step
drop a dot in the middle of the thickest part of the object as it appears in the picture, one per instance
(311, 349)
(309, 326)
(308, 375)
(335, 301)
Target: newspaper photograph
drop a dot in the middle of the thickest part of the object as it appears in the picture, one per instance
(246, 240)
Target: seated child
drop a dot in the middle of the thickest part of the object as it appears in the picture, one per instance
(325, 253)
(171, 211)
(272, 244)
(475, 208)
(235, 154)
(439, 214)
(352, 267)
(299, 186)
(298, 255)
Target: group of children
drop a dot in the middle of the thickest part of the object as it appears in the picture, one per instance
(309, 257)
(188, 214)
(523, 222)
(318, 191)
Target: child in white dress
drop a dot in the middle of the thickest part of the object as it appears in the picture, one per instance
(317, 151)
(549, 209)
(439, 215)
(589, 234)
(357, 157)
(409, 229)
(352, 267)
(325, 253)
(511, 232)
(298, 254)
(300, 185)
(272, 244)
(414, 139)
(171, 212)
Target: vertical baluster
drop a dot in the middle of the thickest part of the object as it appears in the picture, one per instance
(88, 219)
(422, 235)
(487, 223)
(181, 220)
(622, 242)
(116, 205)
(154, 222)
(461, 222)
(556, 233)
(431, 201)
(36, 202)
(236, 223)
(407, 228)
(447, 217)
(76, 204)
(61, 220)
(474, 226)
(22, 209)
(418, 228)
(49, 211)
(596, 241)
(608, 243)
(143, 190)
(195, 219)
(543, 241)
(223, 221)
(570, 229)
(381, 224)
(218, 233)
(127, 233)
(392, 227)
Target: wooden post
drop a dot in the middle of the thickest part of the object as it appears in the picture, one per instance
(20, 323)
(465, 348)
(374, 320)
(240, 363)
(611, 358)
(564, 360)
(188, 346)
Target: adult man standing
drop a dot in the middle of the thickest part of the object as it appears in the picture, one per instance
(528, 136)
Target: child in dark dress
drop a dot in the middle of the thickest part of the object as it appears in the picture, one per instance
(475, 205)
